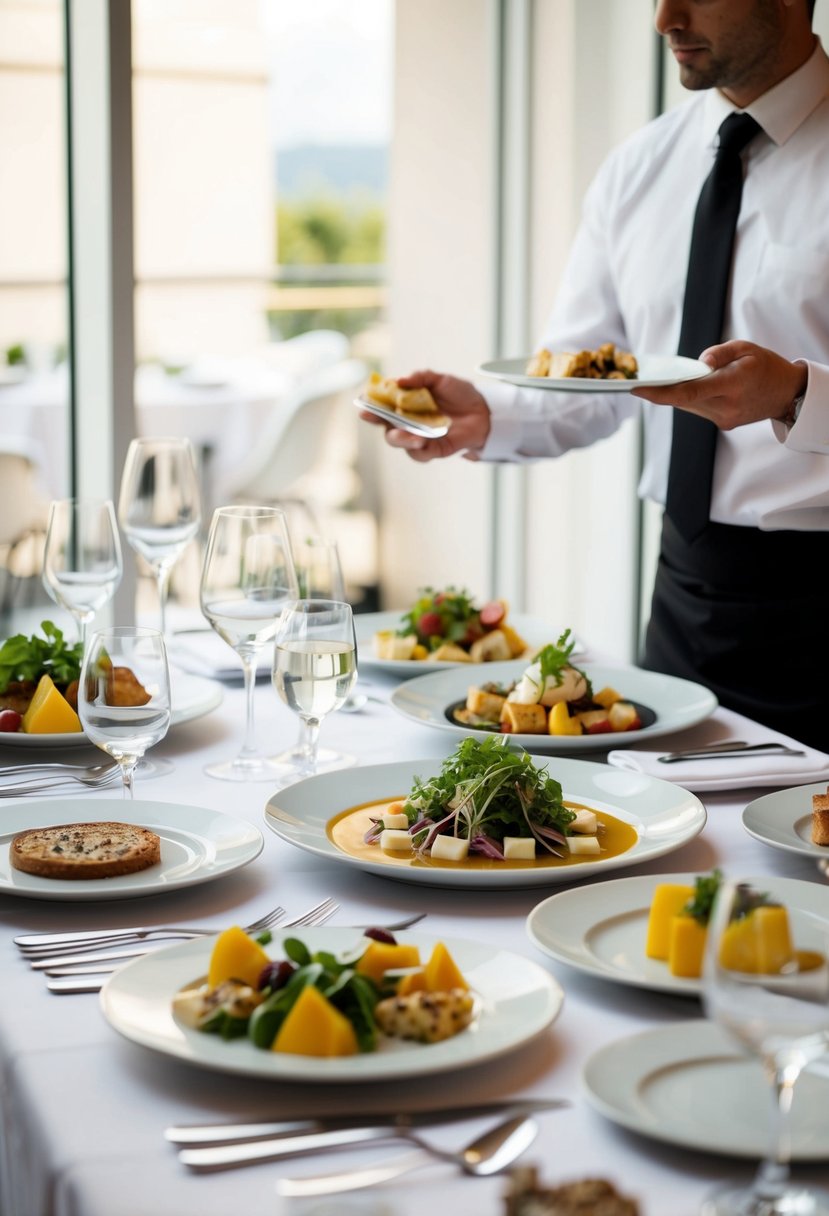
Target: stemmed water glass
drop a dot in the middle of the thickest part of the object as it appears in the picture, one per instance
(772, 995)
(82, 564)
(124, 694)
(159, 506)
(314, 668)
(318, 569)
(247, 578)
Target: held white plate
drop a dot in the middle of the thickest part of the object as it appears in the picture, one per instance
(654, 372)
(193, 696)
(784, 820)
(676, 703)
(665, 817)
(689, 1084)
(197, 845)
(518, 999)
(601, 928)
(401, 421)
(535, 632)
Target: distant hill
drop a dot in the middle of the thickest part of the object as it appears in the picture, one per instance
(335, 168)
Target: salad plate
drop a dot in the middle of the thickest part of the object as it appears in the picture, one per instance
(601, 928)
(193, 696)
(784, 820)
(655, 371)
(690, 1084)
(664, 817)
(517, 1000)
(536, 633)
(673, 703)
(197, 845)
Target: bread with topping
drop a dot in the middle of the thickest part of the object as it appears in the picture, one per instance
(85, 850)
(820, 818)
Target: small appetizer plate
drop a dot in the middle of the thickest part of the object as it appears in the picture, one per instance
(403, 422)
(655, 371)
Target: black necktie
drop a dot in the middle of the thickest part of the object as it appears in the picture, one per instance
(706, 290)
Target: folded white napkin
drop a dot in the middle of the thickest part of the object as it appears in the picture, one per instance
(203, 653)
(726, 773)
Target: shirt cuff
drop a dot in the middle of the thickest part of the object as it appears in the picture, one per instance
(810, 432)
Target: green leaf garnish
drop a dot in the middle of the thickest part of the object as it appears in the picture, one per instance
(23, 658)
(705, 889)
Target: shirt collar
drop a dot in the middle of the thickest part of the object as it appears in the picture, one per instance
(782, 109)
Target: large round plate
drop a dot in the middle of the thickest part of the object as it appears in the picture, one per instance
(197, 845)
(518, 999)
(654, 372)
(601, 928)
(193, 697)
(689, 1084)
(676, 703)
(784, 820)
(535, 632)
(664, 815)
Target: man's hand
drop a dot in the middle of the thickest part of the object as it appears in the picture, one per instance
(748, 383)
(457, 398)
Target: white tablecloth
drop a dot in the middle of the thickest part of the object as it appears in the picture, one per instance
(83, 1111)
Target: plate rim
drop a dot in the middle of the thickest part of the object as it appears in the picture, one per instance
(402, 422)
(803, 848)
(501, 369)
(485, 879)
(290, 1067)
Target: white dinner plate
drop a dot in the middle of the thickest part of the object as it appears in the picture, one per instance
(402, 422)
(197, 845)
(784, 820)
(665, 817)
(193, 697)
(601, 928)
(675, 703)
(654, 371)
(689, 1084)
(535, 632)
(518, 999)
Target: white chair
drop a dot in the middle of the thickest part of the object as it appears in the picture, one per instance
(23, 513)
(307, 353)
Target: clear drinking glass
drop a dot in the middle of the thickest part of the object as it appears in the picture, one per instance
(82, 564)
(314, 669)
(247, 579)
(124, 694)
(318, 569)
(772, 994)
(159, 506)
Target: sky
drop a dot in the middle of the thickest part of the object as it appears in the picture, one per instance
(331, 70)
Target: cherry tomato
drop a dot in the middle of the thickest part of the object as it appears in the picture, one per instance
(10, 720)
(430, 625)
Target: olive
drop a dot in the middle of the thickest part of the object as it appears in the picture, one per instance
(275, 975)
(381, 935)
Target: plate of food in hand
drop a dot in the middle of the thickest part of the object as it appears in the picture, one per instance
(649, 930)
(444, 628)
(554, 705)
(331, 1005)
(487, 816)
(408, 409)
(39, 699)
(608, 369)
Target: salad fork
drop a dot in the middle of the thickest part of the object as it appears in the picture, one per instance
(97, 777)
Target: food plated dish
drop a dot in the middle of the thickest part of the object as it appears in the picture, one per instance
(663, 817)
(654, 371)
(690, 1084)
(671, 704)
(784, 820)
(601, 929)
(416, 425)
(518, 1000)
(197, 845)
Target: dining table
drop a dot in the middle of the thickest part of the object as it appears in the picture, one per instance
(83, 1109)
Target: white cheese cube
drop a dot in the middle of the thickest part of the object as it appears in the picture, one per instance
(585, 822)
(450, 848)
(519, 848)
(584, 844)
(396, 821)
(395, 840)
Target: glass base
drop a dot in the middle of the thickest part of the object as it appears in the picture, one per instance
(735, 1199)
(147, 768)
(261, 769)
(291, 764)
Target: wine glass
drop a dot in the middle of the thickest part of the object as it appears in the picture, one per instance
(247, 578)
(314, 668)
(82, 564)
(772, 994)
(158, 507)
(124, 694)
(318, 569)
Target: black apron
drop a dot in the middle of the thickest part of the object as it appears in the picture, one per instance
(744, 613)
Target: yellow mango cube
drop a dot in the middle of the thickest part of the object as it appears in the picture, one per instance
(380, 957)
(49, 712)
(442, 973)
(315, 1028)
(759, 942)
(606, 697)
(687, 946)
(236, 956)
(669, 898)
(415, 981)
(560, 722)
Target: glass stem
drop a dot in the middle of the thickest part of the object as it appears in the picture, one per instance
(249, 749)
(128, 767)
(773, 1174)
(309, 734)
(163, 578)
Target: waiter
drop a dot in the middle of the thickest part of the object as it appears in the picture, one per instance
(707, 232)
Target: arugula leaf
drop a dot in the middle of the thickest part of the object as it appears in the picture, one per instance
(453, 607)
(23, 658)
(553, 658)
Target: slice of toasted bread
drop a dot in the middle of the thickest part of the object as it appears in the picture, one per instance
(85, 850)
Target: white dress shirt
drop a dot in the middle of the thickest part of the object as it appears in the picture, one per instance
(625, 281)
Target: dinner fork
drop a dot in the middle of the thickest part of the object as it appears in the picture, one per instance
(99, 777)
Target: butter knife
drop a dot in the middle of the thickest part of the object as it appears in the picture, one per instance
(726, 752)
